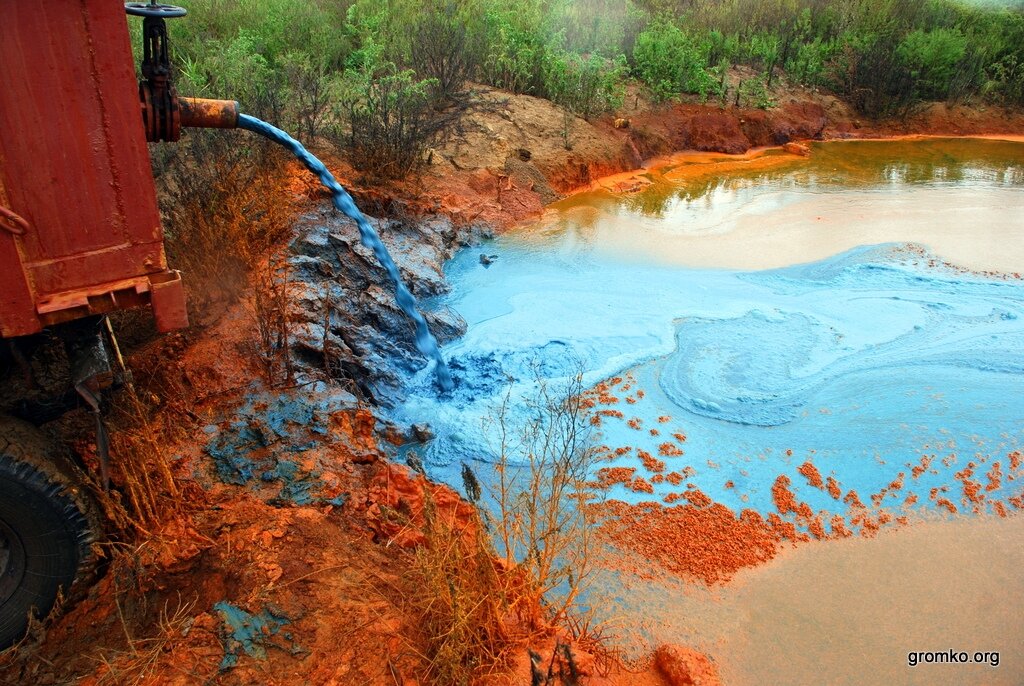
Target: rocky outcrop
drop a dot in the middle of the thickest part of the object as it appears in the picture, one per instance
(345, 322)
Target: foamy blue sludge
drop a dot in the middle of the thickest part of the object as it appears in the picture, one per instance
(425, 342)
(863, 362)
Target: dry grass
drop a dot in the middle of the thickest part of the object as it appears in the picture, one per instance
(140, 660)
(225, 206)
(147, 493)
(478, 604)
(464, 603)
(270, 306)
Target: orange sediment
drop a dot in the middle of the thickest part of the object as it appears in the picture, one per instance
(783, 498)
(709, 543)
(853, 500)
(697, 497)
(995, 477)
(922, 467)
(669, 449)
(1016, 458)
(609, 476)
(641, 485)
(811, 473)
(651, 463)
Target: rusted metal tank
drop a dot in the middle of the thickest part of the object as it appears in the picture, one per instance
(79, 227)
(80, 236)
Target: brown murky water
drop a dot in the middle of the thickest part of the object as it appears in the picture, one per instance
(848, 612)
(750, 212)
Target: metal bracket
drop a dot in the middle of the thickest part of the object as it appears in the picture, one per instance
(13, 222)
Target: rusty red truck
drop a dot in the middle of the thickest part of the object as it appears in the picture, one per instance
(80, 237)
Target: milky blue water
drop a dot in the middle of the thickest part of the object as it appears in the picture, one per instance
(344, 203)
(862, 362)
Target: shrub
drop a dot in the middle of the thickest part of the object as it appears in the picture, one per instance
(540, 519)
(670, 62)
(931, 58)
(444, 48)
(754, 93)
(809, 62)
(309, 87)
(870, 74)
(1006, 80)
(516, 43)
(392, 119)
(586, 86)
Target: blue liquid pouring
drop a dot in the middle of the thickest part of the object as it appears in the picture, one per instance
(425, 341)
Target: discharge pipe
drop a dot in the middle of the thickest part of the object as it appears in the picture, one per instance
(163, 112)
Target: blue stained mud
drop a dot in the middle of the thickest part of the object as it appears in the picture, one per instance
(425, 341)
(250, 634)
(265, 440)
(863, 361)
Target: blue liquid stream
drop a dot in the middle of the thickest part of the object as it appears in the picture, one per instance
(425, 341)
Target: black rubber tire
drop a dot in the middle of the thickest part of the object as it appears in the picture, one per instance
(48, 524)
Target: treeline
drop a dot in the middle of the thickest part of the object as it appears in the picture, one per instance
(378, 75)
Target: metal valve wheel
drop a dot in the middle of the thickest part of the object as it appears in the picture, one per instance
(153, 9)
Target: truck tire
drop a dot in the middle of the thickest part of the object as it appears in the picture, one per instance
(48, 524)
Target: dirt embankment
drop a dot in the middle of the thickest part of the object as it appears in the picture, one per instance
(290, 557)
(519, 154)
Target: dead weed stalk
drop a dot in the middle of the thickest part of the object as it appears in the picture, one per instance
(271, 298)
(141, 659)
(463, 604)
(477, 603)
(539, 499)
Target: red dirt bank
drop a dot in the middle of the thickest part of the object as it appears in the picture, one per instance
(512, 162)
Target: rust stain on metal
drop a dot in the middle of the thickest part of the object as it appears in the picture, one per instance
(208, 114)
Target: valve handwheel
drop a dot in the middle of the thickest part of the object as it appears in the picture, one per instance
(154, 9)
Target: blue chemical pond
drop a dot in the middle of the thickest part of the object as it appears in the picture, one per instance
(882, 355)
(820, 348)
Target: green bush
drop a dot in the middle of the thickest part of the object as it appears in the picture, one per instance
(282, 59)
(586, 86)
(445, 48)
(871, 75)
(517, 41)
(931, 58)
(392, 119)
(1006, 81)
(754, 93)
(670, 62)
(309, 87)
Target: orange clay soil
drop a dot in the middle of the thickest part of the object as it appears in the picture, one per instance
(341, 575)
(700, 539)
(708, 542)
